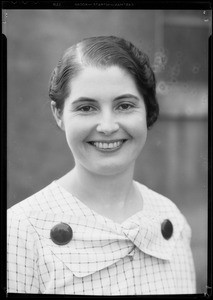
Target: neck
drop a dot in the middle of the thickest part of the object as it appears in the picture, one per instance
(103, 190)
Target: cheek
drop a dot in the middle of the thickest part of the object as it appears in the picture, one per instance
(76, 132)
(136, 126)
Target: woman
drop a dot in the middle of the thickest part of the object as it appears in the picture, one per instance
(96, 231)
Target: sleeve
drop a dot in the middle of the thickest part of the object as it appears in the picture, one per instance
(184, 263)
(22, 274)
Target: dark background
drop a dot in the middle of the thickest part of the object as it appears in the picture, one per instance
(174, 160)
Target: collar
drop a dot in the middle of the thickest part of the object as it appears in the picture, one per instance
(99, 242)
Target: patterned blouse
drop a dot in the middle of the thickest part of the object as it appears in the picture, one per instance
(136, 257)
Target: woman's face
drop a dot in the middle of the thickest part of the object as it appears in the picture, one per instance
(104, 119)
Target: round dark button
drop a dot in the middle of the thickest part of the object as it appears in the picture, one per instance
(167, 229)
(61, 234)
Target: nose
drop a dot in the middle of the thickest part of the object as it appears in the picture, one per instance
(107, 125)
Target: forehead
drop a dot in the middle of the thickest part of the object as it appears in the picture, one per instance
(102, 82)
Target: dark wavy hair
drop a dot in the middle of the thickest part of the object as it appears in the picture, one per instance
(105, 51)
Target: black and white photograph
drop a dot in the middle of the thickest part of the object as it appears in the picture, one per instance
(107, 151)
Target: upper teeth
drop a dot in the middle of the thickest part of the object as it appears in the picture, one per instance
(107, 145)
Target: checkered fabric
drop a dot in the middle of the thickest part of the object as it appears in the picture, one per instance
(103, 257)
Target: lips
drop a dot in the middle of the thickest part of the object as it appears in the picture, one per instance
(107, 145)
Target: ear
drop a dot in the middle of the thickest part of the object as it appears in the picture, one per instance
(57, 115)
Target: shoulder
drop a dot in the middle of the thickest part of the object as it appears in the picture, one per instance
(21, 215)
(43, 200)
(157, 201)
(164, 207)
(50, 203)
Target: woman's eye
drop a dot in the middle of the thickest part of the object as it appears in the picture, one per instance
(86, 108)
(125, 106)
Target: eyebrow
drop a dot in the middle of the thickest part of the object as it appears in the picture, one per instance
(126, 96)
(86, 99)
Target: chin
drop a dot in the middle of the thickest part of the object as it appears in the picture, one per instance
(110, 170)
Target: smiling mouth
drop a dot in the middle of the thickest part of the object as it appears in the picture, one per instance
(108, 146)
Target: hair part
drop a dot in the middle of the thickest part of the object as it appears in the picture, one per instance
(103, 52)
